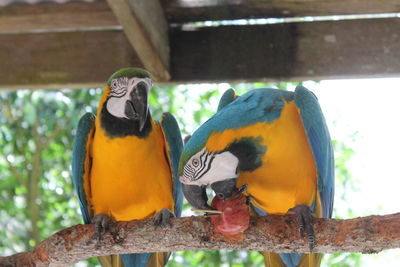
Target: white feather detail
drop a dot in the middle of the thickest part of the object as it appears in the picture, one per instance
(222, 167)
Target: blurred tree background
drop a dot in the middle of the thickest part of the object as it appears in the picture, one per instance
(36, 191)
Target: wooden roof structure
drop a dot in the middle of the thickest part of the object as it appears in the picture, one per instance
(79, 43)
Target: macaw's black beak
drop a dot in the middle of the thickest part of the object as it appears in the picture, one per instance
(137, 107)
(224, 189)
(196, 196)
(227, 188)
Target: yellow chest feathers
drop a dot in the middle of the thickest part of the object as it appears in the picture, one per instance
(130, 177)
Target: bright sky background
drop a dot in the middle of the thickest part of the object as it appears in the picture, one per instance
(371, 109)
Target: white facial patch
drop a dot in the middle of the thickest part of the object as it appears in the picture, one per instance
(205, 168)
(116, 107)
(120, 92)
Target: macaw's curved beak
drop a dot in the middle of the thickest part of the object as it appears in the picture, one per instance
(196, 196)
(136, 108)
(224, 189)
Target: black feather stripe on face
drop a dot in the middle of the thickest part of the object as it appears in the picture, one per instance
(206, 161)
(188, 171)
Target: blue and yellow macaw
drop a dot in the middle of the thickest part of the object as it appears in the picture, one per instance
(125, 165)
(277, 143)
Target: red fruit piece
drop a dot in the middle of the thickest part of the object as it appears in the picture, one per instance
(235, 218)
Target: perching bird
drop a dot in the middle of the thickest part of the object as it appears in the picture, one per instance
(277, 143)
(125, 165)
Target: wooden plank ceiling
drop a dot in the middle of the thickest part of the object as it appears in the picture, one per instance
(80, 43)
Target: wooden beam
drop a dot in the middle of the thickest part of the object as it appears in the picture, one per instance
(146, 28)
(54, 17)
(291, 51)
(180, 11)
(58, 60)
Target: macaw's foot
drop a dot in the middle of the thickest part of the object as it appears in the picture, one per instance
(163, 218)
(304, 219)
(104, 223)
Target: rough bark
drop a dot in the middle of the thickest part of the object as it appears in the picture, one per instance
(269, 233)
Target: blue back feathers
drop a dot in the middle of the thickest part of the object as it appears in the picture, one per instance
(259, 105)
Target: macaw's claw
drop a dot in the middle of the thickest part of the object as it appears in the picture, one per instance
(239, 191)
(163, 218)
(304, 219)
(104, 223)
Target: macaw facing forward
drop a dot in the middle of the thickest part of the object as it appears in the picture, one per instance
(125, 165)
(276, 142)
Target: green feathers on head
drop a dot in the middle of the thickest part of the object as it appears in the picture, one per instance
(129, 73)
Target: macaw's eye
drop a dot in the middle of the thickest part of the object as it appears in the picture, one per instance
(195, 163)
(114, 83)
(118, 87)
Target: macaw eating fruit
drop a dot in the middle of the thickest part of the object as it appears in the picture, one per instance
(125, 165)
(277, 143)
(235, 217)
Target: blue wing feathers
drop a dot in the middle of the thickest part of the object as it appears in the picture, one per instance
(79, 157)
(258, 105)
(173, 139)
(254, 106)
(321, 146)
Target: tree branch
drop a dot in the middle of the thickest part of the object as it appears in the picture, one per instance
(268, 233)
(53, 135)
(15, 172)
(35, 133)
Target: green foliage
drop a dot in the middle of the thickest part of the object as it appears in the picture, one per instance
(37, 129)
(37, 198)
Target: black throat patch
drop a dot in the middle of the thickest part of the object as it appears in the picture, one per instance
(249, 151)
(121, 127)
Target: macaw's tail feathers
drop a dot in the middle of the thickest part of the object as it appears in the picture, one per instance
(311, 260)
(288, 260)
(273, 260)
(111, 261)
(158, 259)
